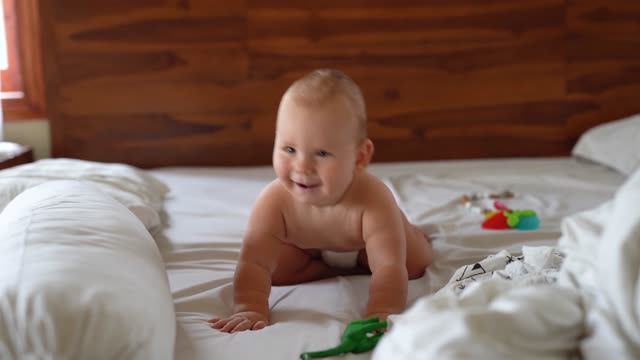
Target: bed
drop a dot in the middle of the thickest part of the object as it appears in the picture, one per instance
(208, 209)
(162, 118)
(195, 226)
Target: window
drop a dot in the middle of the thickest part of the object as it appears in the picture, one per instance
(22, 82)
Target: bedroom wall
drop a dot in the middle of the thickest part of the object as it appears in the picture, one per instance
(155, 82)
(34, 133)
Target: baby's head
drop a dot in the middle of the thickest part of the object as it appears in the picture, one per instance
(328, 87)
(321, 136)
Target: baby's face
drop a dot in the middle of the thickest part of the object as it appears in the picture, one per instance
(315, 150)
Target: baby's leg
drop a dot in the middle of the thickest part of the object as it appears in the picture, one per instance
(419, 253)
(297, 266)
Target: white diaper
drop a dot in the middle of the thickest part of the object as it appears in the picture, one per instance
(340, 259)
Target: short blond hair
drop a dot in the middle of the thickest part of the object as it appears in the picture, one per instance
(323, 85)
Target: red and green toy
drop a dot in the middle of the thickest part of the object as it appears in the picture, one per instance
(505, 218)
(502, 217)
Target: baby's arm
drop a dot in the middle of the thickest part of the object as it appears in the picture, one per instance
(258, 257)
(385, 243)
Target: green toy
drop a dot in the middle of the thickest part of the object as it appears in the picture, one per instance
(358, 337)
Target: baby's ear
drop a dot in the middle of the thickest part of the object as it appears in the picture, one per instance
(365, 152)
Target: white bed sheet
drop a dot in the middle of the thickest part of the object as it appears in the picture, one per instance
(207, 210)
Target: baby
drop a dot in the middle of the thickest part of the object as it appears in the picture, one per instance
(324, 215)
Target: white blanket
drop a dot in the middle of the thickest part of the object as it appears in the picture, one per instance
(604, 265)
(593, 309)
(538, 265)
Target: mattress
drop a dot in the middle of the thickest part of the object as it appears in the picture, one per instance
(207, 210)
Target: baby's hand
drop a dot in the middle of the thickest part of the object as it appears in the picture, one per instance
(247, 320)
(380, 316)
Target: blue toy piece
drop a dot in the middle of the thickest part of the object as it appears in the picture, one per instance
(528, 222)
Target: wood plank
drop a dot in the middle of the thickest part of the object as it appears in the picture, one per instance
(603, 60)
(197, 82)
(74, 11)
(145, 140)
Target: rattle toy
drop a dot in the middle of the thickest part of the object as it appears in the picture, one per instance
(506, 218)
(359, 336)
(502, 217)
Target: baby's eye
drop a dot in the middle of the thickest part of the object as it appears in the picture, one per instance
(289, 149)
(323, 153)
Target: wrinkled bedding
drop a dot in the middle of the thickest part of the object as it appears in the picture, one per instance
(207, 208)
(539, 306)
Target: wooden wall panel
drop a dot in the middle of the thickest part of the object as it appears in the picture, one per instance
(132, 79)
(420, 63)
(603, 60)
(179, 82)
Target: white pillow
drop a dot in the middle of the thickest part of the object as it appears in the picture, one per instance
(614, 144)
(134, 188)
(81, 278)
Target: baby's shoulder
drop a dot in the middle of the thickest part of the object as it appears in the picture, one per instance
(274, 195)
(372, 190)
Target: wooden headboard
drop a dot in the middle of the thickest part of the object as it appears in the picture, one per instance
(197, 82)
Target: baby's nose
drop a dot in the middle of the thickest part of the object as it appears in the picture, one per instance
(304, 165)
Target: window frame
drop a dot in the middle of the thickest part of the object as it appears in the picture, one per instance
(26, 75)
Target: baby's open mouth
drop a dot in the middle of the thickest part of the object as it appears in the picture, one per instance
(305, 186)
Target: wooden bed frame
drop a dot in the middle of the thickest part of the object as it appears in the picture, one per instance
(197, 82)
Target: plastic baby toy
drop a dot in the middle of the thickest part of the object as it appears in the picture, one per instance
(506, 218)
(502, 217)
(358, 337)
